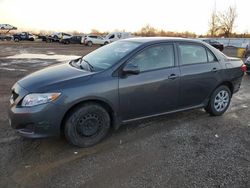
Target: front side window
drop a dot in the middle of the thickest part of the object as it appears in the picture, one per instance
(112, 36)
(160, 56)
(192, 54)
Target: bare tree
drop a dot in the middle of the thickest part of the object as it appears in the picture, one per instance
(148, 31)
(227, 21)
(95, 31)
(214, 24)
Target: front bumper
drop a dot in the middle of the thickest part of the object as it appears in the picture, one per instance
(38, 121)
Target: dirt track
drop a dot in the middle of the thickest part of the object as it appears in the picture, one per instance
(188, 149)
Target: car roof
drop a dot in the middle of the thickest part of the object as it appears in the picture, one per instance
(152, 40)
(160, 39)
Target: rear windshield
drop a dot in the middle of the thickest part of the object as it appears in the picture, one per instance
(110, 54)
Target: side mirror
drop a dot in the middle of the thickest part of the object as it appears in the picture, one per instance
(131, 69)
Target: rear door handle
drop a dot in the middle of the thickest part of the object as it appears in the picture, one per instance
(173, 76)
(214, 69)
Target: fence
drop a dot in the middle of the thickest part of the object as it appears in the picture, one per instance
(236, 42)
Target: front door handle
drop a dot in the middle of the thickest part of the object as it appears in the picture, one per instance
(173, 76)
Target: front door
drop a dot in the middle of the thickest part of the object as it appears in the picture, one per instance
(155, 89)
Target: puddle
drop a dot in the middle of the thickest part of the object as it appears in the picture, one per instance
(43, 56)
(12, 69)
(28, 60)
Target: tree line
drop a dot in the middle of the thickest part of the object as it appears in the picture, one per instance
(221, 24)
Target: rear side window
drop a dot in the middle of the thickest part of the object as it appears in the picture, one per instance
(192, 54)
(211, 57)
(155, 57)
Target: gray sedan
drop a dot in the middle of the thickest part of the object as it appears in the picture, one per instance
(121, 82)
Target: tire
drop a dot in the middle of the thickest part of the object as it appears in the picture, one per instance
(87, 125)
(16, 39)
(105, 43)
(90, 43)
(219, 101)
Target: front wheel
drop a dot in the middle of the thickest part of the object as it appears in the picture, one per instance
(219, 101)
(87, 125)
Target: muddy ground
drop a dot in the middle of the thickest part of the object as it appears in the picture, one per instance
(188, 149)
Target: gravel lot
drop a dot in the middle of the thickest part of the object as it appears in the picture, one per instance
(188, 149)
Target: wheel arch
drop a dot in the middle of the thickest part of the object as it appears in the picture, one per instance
(226, 83)
(229, 85)
(108, 107)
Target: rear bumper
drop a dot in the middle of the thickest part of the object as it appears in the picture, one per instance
(248, 68)
(236, 84)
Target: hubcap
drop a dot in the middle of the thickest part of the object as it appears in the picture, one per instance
(88, 125)
(221, 101)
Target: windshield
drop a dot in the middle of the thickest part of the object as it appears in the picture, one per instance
(108, 55)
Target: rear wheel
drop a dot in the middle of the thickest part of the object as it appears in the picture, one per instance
(90, 43)
(87, 125)
(219, 101)
(16, 39)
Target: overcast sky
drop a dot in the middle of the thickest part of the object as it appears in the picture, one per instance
(108, 15)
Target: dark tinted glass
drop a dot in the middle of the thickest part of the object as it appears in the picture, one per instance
(191, 54)
(160, 56)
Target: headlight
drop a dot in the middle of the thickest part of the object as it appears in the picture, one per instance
(39, 98)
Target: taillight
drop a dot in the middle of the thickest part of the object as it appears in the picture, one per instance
(244, 68)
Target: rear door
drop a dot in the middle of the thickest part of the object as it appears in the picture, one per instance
(155, 89)
(199, 73)
(100, 40)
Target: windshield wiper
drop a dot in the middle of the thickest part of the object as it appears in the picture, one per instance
(91, 68)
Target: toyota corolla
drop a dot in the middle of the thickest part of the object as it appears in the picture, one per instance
(127, 80)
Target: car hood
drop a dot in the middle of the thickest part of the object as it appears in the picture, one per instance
(54, 77)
